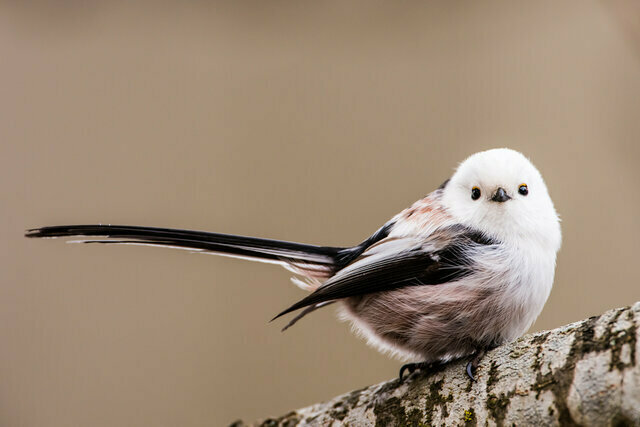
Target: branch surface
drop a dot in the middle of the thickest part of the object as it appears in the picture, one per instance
(584, 373)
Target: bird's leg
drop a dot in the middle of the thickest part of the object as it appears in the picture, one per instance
(473, 363)
(412, 367)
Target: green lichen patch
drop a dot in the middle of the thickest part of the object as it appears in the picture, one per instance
(469, 417)
(538, 341)
(617, 341)
(516, 353)
(497, 406)
(612, 338)
(353, 397)
(493, 374)
(435, 400)
(390, 412)
(341, 408)
(291, 419)
(540, 338)
(542, 383)
(559, 382)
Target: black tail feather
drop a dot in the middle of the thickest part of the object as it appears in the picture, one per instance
(317, 262)
(243, 246)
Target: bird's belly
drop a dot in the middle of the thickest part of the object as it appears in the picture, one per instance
(432, 323)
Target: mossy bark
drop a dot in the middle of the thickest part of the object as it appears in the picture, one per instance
(585, 373)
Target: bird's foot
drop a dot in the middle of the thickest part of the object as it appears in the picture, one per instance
(473, 363)
(412, 367)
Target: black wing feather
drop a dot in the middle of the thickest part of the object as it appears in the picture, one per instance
(413, 267)
(401, 270)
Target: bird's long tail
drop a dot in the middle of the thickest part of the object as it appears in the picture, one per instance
(314, 262)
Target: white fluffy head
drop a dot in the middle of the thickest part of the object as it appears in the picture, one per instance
(519, 218)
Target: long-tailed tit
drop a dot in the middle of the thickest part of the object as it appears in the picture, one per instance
(464, 269)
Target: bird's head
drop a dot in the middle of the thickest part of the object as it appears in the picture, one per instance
(500, 193)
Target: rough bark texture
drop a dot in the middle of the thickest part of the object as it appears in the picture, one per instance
(585, 373)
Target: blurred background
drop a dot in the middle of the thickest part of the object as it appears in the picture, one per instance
(304, 121)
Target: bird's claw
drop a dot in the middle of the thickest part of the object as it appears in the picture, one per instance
(407, 367)
(412, 367)
(473, 364)
(470, 369)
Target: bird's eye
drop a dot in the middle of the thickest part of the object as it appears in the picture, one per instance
(523, 189)
(475, 193)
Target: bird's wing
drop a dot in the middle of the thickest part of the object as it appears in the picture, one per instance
(395, 262)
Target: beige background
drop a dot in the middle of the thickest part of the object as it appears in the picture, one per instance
(313, 122)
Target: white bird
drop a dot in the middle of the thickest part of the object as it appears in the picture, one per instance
(463, 270)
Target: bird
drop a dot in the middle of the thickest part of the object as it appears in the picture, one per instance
(461, 271)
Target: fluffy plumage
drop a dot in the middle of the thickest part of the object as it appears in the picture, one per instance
(467, 268)
(509, 278)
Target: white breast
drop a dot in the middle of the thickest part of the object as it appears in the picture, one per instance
(526, 277)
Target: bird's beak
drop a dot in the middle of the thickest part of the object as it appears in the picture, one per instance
(500, 195)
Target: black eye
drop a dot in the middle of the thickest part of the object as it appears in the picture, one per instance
(475, 193)
(523, 189)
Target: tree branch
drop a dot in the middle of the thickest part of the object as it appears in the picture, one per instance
(584, 373)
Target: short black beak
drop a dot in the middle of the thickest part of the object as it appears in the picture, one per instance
(500, 195)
